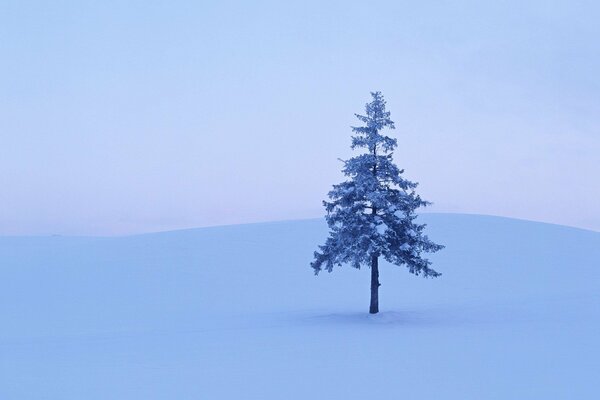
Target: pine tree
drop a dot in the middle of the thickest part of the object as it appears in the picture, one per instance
(372, 214)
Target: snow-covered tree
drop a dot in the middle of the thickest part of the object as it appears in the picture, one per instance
(372, 214)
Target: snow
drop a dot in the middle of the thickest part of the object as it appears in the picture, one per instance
(236, 313)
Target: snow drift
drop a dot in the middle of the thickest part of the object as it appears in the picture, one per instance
(235, 312)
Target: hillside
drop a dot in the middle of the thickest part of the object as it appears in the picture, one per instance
(235, 312)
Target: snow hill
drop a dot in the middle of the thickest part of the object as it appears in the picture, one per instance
(235, 312)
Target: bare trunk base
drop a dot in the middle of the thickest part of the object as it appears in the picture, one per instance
(374, 308)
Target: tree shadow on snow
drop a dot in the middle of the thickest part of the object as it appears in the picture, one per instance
(431, 317)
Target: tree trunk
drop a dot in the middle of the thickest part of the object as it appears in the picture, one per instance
(374, 309)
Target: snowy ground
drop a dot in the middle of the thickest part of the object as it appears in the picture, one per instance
(236, 313)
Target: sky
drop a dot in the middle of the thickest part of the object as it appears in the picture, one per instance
(129, 117)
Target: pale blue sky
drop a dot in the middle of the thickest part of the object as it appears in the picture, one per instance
(125, 117)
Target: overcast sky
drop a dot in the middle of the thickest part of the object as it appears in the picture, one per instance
(122, 118)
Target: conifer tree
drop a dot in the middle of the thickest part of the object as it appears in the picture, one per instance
(372, 213)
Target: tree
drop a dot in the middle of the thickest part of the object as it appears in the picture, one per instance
(372, 214)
